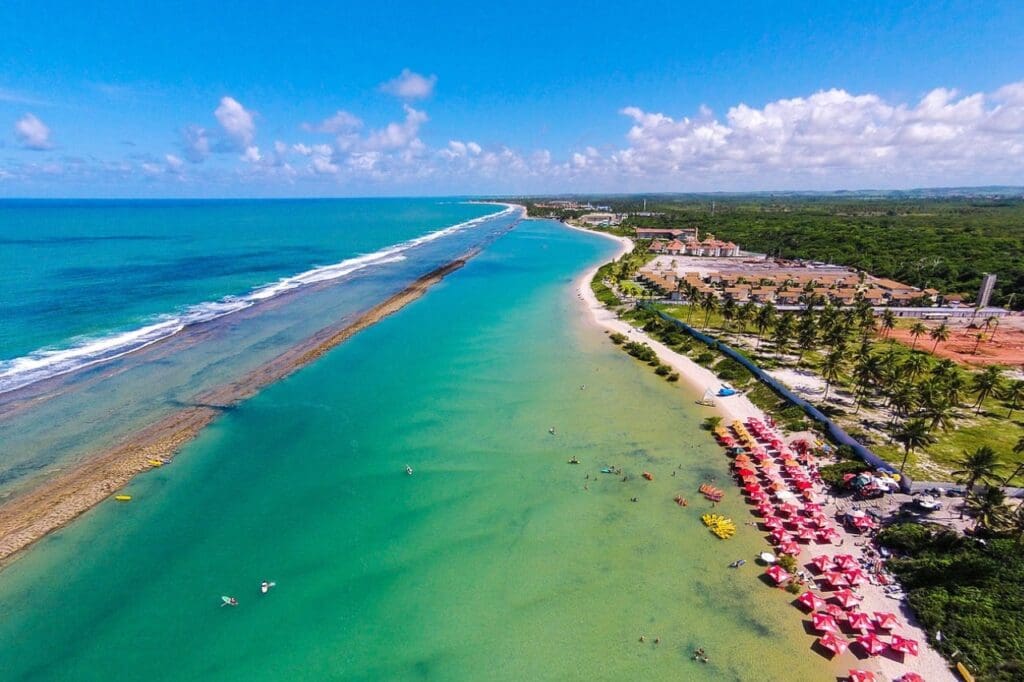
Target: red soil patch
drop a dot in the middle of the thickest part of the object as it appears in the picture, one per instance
(1007, 349)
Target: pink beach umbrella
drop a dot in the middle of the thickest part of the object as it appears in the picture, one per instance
(752, 488)
(811, 601)
(765, 508)
(835, 578)
(773, 523)
(808, 495)
(778, 574)
(910, 677)
(812, 507)
(856, 576)
(788, 509)
(903, 645)
(835, 611)
(833, 643)
(859, 620)
(822, 562)
(803, 485)
(871, 644)
(823, 622)
(780, 535)
(884, 620)
(806, 535)
(746, 472)
(846, 598)
(844, 561)
(759, 495)
(861, 676)
(828, 534)
(790, 548)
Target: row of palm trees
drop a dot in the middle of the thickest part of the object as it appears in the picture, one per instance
(923, 395)
(989, 507)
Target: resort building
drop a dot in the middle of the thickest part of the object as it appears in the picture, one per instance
(664, 233)
(601, 219)
(692, 245)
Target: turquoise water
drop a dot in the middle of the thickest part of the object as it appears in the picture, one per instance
(492, 561)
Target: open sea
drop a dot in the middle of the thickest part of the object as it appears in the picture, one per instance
(495, 560)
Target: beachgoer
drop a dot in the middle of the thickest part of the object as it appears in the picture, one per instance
(641, 638)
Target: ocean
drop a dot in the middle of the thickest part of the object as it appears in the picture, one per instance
(496, 559)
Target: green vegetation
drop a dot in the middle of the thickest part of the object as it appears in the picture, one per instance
(972, 592)
(833, 473)
(915, 410)
(942, 243)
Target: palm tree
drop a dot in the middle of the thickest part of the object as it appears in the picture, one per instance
(940, 333)
(917, 330)
(954, 387)
(888, 323)
(1013, 393)
(989, 322)
(985, 382)
(830, 370)
(980, 465)
(943, 369)
(915, 364)
(708, 304)
(729, 310)
(913, 434)
(1015, 523)
(939, 414)
(765, 318)
(806, 335)
(978, 338)
(783, 333)
(1018, 449)
(746, 313)
(988, 508)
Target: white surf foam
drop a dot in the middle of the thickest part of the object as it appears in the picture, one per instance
(50, 362)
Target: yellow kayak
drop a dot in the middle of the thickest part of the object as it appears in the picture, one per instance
(155, 463)
(964, 673)
(123, 498)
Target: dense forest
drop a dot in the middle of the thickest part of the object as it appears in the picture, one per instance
(944, 243)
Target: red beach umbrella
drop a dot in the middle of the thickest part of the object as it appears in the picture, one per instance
(884, 621)
(778, 574)
(803, 485)
(910, 677)
(788, 509)
(835, 611)
(806, 535)
(846, 598)
(903, 645)
(811, 601)
(859, 620)
(765, 509)
(861, 676)
(780, 536)
(871, 644)
(844, 561)
(752, 488)
(746, 472)
(812, 507)
(759, 495)
(822, 562)
(823, 622)
(833, 643)
(835, 578)
(790, 548)
(856, 576)
(828, 534)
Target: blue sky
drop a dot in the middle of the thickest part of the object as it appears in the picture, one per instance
(237, 98)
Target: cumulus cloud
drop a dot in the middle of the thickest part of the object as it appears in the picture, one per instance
(834, 134)
(341, 121)
(32, 133)
(236, 121)
(195, 143)
(399, 135)
(410, 85)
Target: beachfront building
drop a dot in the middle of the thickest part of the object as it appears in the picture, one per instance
(681, 244)
(665, 233)
(601, 219)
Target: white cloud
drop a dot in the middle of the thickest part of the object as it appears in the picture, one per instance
(32, 133)
(252, 154)
(236, 121)
(195, 143)
(836, 136)
(398, 135)
(173, 162)
(341, 121)
(410, 85)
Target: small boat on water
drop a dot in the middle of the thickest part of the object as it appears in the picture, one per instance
(607, 470)
(156, 463)
(711, 492)
(123, 498)
(228, 601)
(680, 500)
(265, 586)
(408, 470)
(574, 460)
(648, 475)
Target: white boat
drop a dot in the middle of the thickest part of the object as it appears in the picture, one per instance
(265, 586)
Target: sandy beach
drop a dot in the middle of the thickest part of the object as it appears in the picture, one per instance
(30, 516)
(929, 663)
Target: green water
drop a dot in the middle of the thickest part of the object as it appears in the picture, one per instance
(491, 562)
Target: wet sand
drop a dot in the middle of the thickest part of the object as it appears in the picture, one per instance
(30, 516)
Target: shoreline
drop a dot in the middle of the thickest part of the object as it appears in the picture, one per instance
(32, 515)
(929, 662)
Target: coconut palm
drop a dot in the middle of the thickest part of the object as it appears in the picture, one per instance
(831, 368)
(937, 334)
(729, 310)
(1018, 449)
(954, 388)
(985, 382)
(917, 330)
(992, 322)
(1015, 523)
(913, 434)
(764, 319)
(783, 332)
(915, 364)
(745, 314)
(980, 465)
(888, 323)
(709, 304)
(989, 509)
(978, 338)
(1013, 393)
(943, 369)
(806, 335)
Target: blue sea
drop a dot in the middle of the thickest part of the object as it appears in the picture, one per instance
(495, 560)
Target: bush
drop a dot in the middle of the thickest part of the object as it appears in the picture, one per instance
(710, 423)
(662, 370)
(674, 376)
(787, 562)
(733, 372)
(793, 587)
(833, 473)
(617, 338)
(706, 358)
